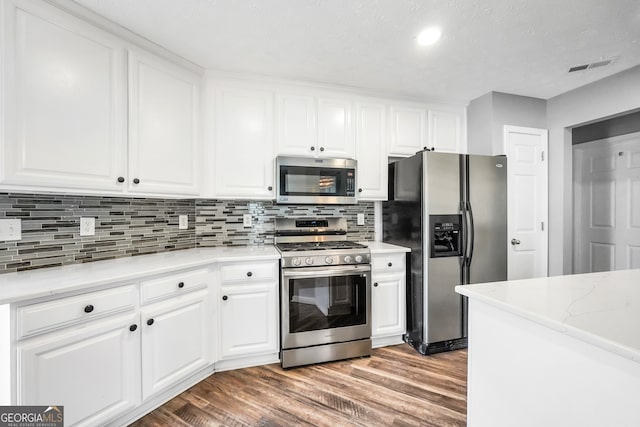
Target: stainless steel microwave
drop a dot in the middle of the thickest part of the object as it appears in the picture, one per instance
(304, 180)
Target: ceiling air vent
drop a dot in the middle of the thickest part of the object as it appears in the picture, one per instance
(596, 64)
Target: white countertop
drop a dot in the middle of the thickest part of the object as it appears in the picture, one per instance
(50, 281)
(599, 308)
(383, 248)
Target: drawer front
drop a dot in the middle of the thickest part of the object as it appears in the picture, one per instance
(42, 317)
(249, 271)
(174, 284)
(387, 263)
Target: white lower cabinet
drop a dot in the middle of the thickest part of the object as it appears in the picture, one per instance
(91, 370)
(388, 298)
(248, 310)
(175, 341)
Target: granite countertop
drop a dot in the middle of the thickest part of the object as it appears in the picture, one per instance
(51, 281)
(381, 247)
(599, 308)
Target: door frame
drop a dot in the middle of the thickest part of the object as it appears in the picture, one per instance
(544, 209)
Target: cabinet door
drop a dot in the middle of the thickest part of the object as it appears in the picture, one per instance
(94, 371)
(163, 126)
(408, 130)
(243, 146)
(65, 106)
(335, 130)
(445, 131)
(296, 125)
(175, 341)
(388, 305)
(248, 320)
(371, 151)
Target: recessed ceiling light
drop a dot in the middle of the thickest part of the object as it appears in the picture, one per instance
(429, 36)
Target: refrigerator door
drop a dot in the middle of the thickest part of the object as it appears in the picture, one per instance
(441, 196)
(487, 190)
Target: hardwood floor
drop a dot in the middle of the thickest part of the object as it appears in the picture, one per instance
(394, 387)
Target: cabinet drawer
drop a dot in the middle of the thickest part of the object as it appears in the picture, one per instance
(249, 271)
(387, 263)
(36, 318)
(174, 284)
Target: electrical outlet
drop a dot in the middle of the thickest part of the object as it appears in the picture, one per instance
(183, 222)
(10, 229)
(87, 226)
(360, 219)
(246, 220)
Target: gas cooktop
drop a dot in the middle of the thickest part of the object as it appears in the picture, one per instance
(317, 246)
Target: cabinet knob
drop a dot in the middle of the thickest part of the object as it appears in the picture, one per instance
(133, 327)
(390, 264)
(121, 179)
(88, 308)
(224, 297)
(269, 188)
(375, 284)
(321, 148)
(621, 153)
(359, 190)
(150, 322)
(136, 181)
(313, 148)
(181, 285)
(249, 274)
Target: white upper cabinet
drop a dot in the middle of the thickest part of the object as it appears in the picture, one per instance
(371, 150)
(163, 126)
(242, 143)
(446, 131)
(408, 130)
(64, 105)
(314, 126)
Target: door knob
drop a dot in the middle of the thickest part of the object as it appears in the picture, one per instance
(515, 242)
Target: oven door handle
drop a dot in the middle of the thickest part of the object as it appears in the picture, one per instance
(320, 272)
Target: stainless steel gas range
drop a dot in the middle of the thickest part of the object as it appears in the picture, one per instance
(325, 292)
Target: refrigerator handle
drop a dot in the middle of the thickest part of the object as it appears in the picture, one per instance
(471, 235)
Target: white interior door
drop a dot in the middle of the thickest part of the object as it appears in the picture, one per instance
(607, 204)
(527, 199)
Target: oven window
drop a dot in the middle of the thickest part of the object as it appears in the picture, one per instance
(327, 302)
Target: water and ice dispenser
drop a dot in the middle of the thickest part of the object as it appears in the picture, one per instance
(446, 235)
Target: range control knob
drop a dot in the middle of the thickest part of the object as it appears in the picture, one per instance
(358, 258)
(328, 260)
(347, 259)
(296, 262)
(308, 261)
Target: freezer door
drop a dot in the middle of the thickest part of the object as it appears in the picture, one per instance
(488, 201)
(443, 306)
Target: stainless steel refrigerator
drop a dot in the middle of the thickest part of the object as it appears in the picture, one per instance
(451, 210)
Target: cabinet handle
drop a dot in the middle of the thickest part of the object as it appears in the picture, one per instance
(136, 181)
(121, 179)
(224, 297)
(321, 148)
(375, 284)
(359, 190)
(181, 285)
(132, 328)
(150, 322)
(390, 264)
(249, 274)
(313, 148)
(269, 188)
(88, 308)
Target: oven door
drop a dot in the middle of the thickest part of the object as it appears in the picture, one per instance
(325, 305)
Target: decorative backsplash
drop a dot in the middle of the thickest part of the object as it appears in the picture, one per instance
(135, 226)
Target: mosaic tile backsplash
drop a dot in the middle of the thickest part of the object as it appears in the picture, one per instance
(135, 226)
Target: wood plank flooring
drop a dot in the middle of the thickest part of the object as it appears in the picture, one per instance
(394, 387)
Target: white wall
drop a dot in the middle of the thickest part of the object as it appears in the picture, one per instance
(602, 99)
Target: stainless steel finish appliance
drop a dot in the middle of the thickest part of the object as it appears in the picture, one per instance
(325, 292)
(304, 180)
(451, 210)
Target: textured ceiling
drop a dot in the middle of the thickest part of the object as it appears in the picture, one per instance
(523, 47)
